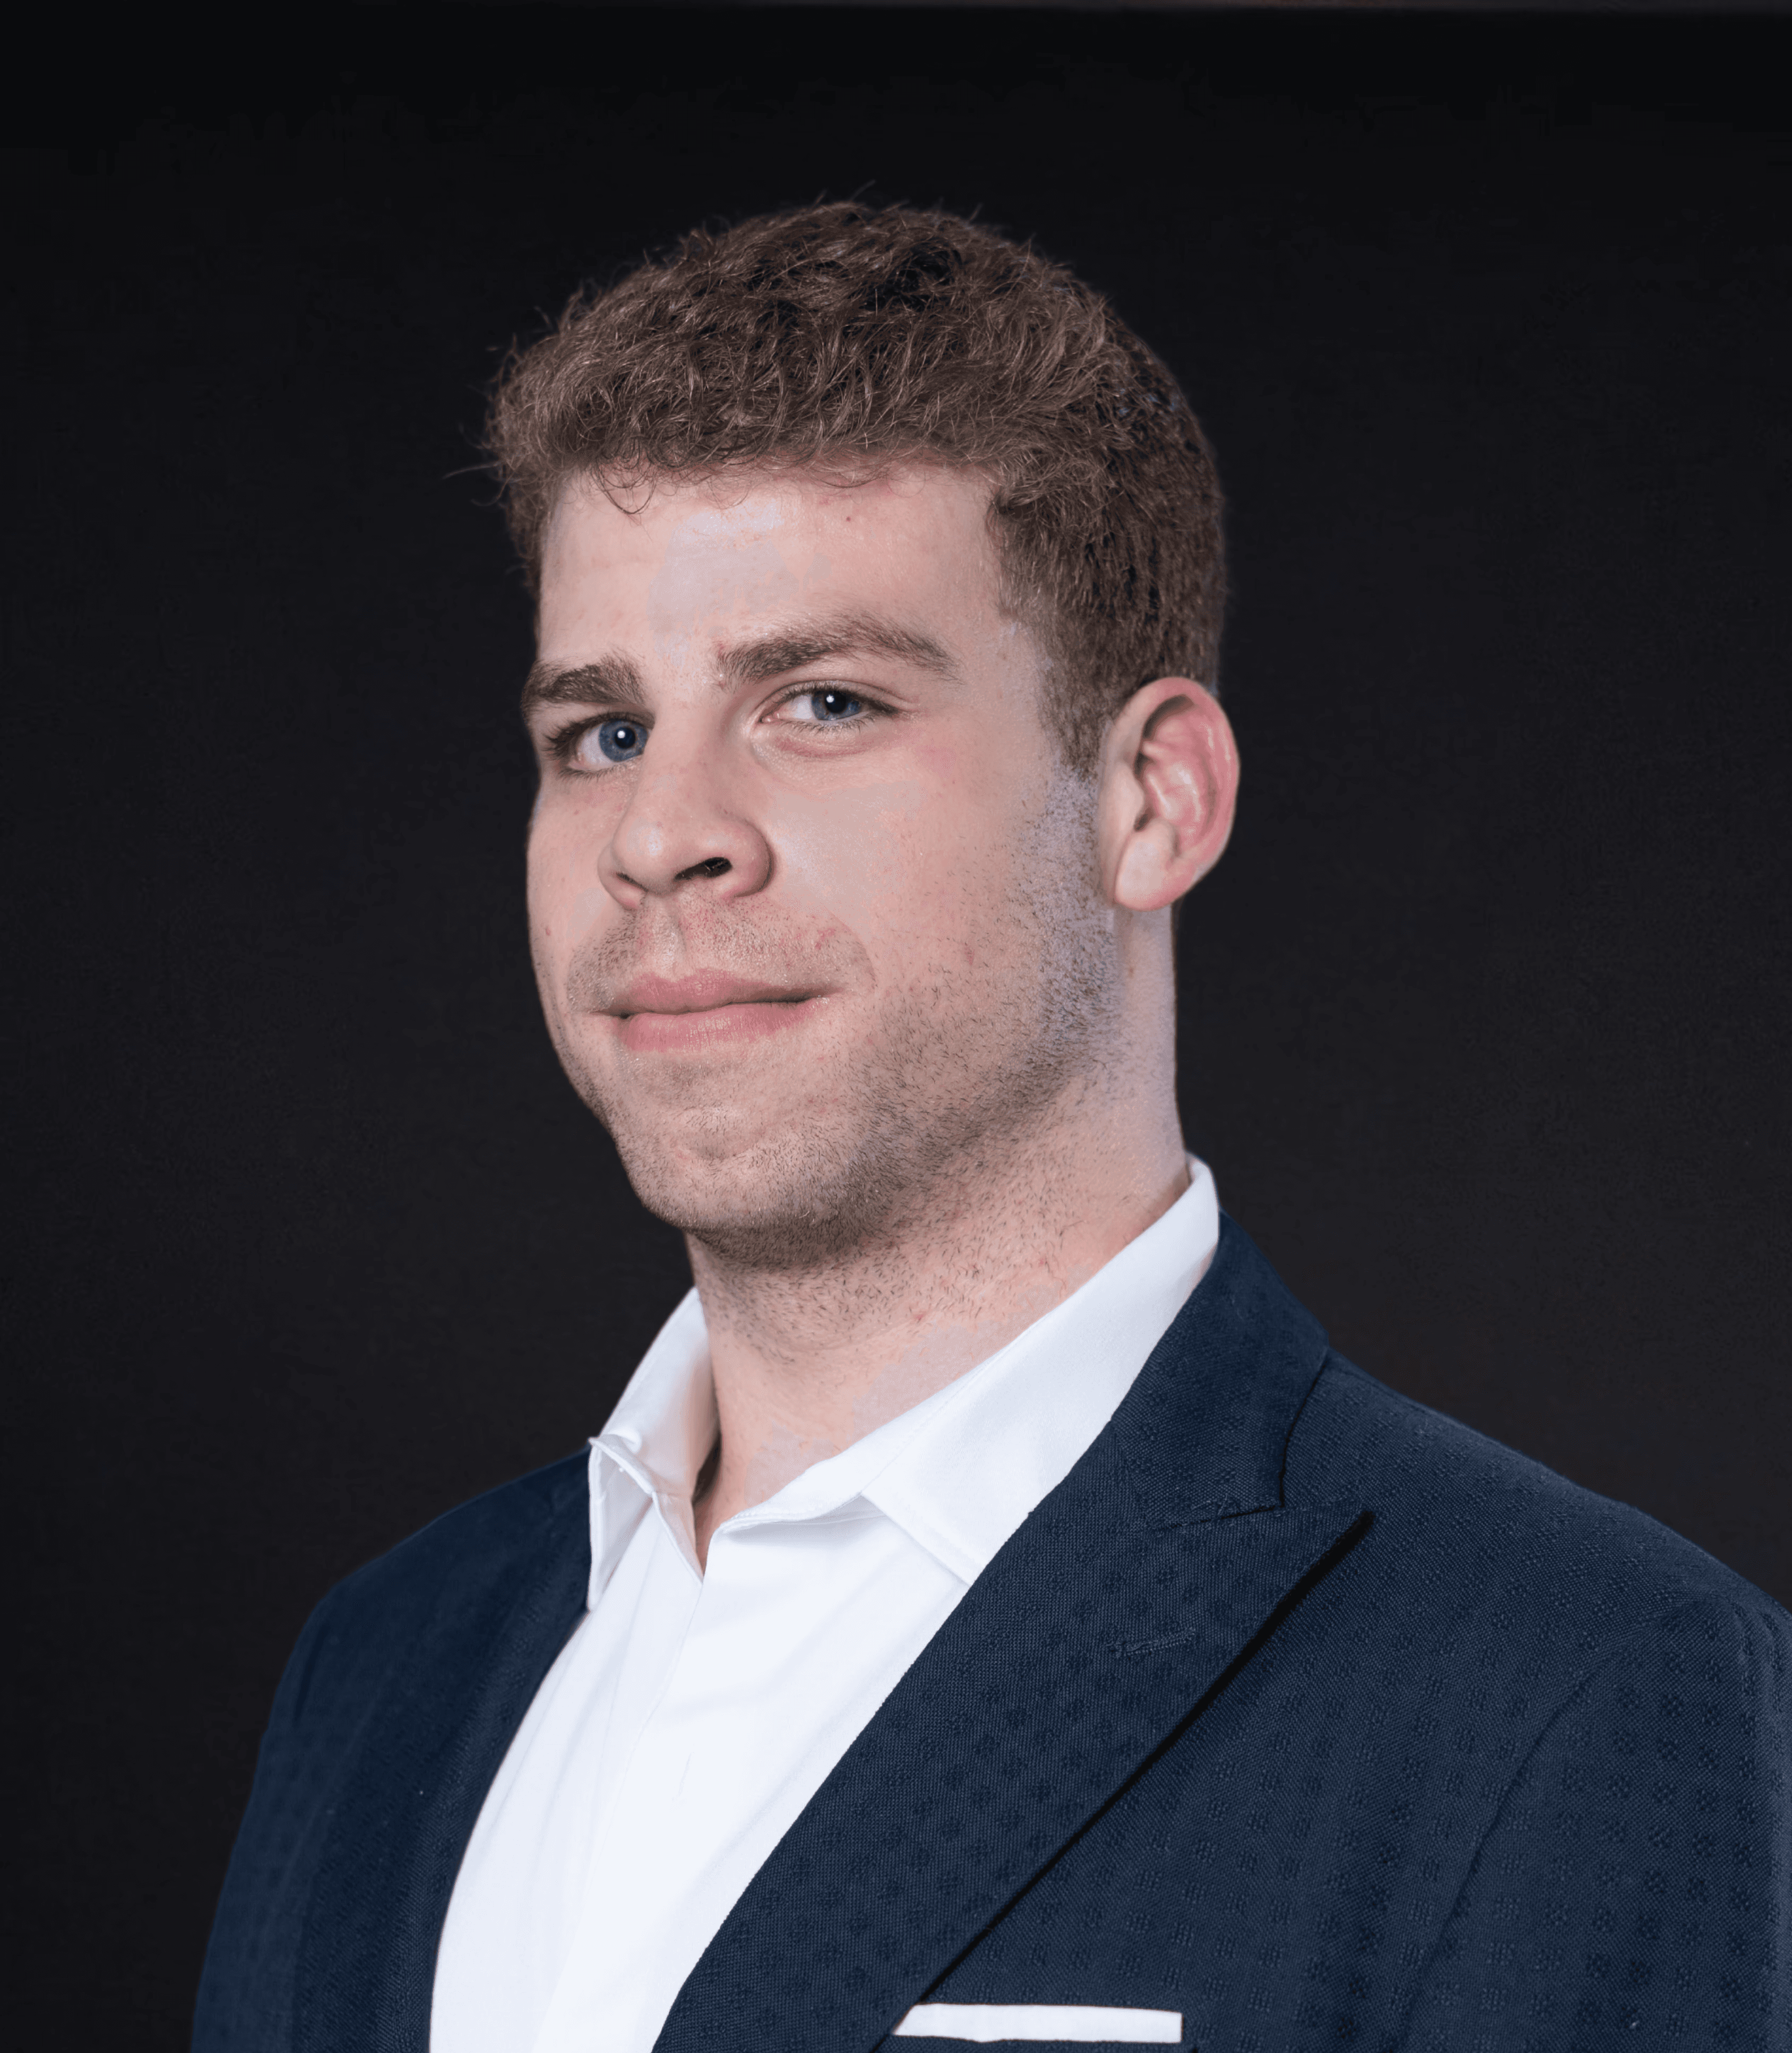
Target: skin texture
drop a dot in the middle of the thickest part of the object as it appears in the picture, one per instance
(874, 995)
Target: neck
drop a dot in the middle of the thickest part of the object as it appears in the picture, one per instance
(807, 1361)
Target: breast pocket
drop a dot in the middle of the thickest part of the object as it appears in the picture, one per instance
(1049, 2023)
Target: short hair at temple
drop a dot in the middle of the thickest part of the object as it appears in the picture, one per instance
(848, 340)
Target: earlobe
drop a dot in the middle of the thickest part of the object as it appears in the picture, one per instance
(1172, 777)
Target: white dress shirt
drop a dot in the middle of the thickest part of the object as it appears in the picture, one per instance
(691, 1716)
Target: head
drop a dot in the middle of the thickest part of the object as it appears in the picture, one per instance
(879, 575)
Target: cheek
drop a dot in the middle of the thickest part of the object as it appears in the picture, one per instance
(867, 855)
(920, 875)
(568, 834)
(556, 881)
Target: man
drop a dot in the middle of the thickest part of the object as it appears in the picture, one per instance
(992, 1612)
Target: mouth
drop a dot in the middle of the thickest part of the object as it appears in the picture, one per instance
(708, 1010)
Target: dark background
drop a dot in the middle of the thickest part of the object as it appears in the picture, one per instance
(1483, 1010)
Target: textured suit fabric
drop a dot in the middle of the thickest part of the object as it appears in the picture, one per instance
(1296, 1708)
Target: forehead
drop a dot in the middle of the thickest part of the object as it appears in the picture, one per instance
(685, 557)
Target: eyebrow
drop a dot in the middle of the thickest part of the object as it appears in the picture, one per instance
(615, 677)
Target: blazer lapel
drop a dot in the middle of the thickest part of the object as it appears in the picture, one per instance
(424, 1759)
(1097, 1632)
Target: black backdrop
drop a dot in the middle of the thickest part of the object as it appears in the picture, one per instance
(1482, 1011)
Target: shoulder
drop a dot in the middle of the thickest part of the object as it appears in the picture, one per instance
(1478, 1542)
(1599, 1711)
(395, 1665)
(459, 1562)
(469, 1544)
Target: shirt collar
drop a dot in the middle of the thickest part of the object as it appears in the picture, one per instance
(958, 1472)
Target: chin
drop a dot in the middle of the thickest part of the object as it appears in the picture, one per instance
(786, 1198)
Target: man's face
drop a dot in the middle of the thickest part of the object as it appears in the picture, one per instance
(814, 905)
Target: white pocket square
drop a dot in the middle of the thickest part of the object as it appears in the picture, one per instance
(1072, 2023)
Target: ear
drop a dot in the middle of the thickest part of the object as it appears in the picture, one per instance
(1169, 787)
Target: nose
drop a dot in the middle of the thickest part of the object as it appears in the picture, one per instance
(683, 831)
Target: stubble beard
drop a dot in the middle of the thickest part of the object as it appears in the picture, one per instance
(954, 1095)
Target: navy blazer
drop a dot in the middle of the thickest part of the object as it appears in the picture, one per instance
(1296, 1708)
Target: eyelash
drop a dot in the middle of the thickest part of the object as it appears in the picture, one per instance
(563, 740)
(561, 744)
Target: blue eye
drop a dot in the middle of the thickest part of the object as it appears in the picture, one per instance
(836, 706)
(621, 740)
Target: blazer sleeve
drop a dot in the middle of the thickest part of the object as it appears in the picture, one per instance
(245, 1990)
(1635, 1889)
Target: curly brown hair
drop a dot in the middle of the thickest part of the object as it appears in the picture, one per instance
(844, 336)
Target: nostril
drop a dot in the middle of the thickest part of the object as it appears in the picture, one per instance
(717, 865)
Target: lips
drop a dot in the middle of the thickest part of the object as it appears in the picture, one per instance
(703, 992)
(708, 1010)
